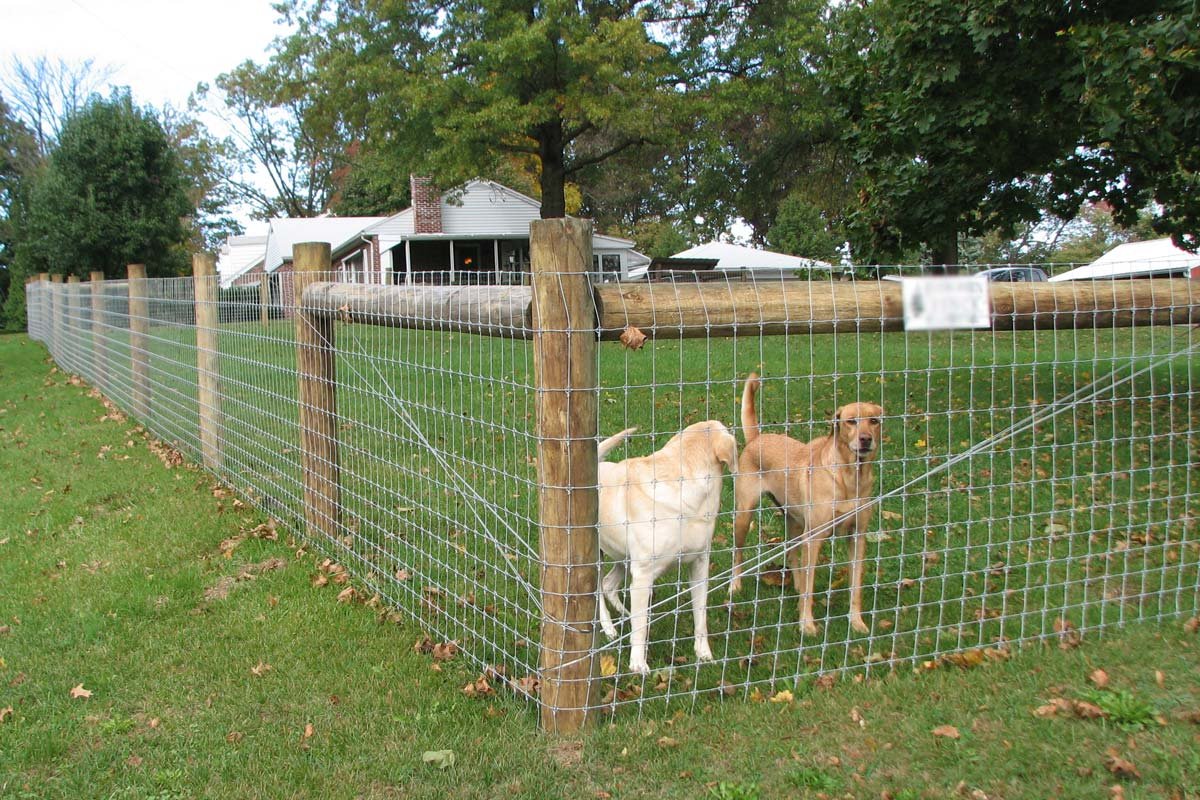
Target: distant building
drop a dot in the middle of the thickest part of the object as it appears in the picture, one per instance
(723, 258)
(1157, 258)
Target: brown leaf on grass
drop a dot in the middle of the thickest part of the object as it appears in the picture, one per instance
(608, 666)
(1121, 767)
(262, 669)
(529, 686)
(1192, 625)
(5, 713)
(1192, 716)
(444, 651)
(309, 730)
(773, 575)
(667, 742)
(233, 737)
(826, 681)
(424, 645)
(946, 732)
(478, 688)
(968, 659)
(80, 693)
(1160, 679)
(1098, 678)
(319, 580)
(632, 338)
(1055, 707)
(1068, 637)
(347, 595)
(782, 696)
(1085, 710)
(134, 761)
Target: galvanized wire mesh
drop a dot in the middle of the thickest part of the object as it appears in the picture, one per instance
(1029, 484)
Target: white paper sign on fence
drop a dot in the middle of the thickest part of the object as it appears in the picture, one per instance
(946, 303)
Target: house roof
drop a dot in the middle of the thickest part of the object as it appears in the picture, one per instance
(736, 256)
(239, 255)
(1135, 260)
(285, 232)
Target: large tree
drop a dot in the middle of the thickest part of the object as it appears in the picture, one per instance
(968, 117)
(18, 158)
(458, 89)
(112, 193)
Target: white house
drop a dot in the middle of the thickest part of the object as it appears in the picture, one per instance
(1155, 258)
(476, 234)
(239, 255)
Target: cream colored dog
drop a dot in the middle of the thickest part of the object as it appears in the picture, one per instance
(813, 484)
(658, 512)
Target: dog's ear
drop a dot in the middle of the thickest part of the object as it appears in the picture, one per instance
(837, 420)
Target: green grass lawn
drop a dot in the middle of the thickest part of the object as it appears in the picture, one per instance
(205, 672)
(1086, 519)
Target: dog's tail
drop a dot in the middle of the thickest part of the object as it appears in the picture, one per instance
(749, 414)
(605, 447)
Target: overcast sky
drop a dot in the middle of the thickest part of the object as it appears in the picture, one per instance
(160, 49)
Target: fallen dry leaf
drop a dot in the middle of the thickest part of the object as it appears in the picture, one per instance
(946, 731)
(347, 595)
(1085, 710)
(608, 666)
(1098, 678)
(233, 737)
(667, 741)
(632, 338)
(5, 713)
(1160, 678)
(1192, 625)
(1121, 767)
(1058, 705)
(260, 670)
(1068, 637)
(782, 696)
(445, 651)
(308, 731)
(80, 693)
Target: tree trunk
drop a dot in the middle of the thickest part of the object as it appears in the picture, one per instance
(945, 253)
(554, 174)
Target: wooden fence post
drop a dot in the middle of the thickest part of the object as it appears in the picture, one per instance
(43, 309)
(315, 358)
(565, 373)
(99, 348)
(204, 272)
(56, 315)
(71, 323)
(264, 299)
(139, 341)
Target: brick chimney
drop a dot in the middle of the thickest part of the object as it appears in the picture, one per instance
(427, 206)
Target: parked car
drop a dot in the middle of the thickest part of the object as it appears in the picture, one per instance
(1023, 274)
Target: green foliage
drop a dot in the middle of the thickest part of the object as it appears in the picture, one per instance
(112, 193)
(726, 790)
(453, 90)
(965, 118)
(800, 230)
(1122, 707)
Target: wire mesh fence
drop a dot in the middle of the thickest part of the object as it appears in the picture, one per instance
(1032, 480)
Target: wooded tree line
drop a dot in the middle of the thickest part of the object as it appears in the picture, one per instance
(915, 130)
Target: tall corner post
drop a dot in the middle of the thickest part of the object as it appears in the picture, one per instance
(56, 317)
(315, 360)
(204, 274)
(565, 372)
(139, 340)
(264, 300)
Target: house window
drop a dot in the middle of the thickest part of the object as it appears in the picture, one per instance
(606, 267)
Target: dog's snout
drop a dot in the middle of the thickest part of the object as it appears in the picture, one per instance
(866, 441)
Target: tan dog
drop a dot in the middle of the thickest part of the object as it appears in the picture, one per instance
(813, 484)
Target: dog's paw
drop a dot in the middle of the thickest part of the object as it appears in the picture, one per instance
(639, 668)
(735, 586)
(610, 630)
(859, 626)
(703, 653)
(809, 627)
